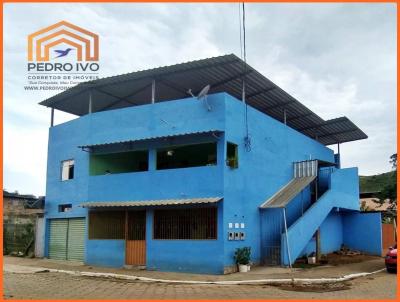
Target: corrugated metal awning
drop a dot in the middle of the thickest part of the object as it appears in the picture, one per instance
(281, 198)
(223, 74)
(148, 138)
(143, 203)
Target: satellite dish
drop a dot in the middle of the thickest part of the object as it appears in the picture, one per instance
(190, 92)
(203, 92)
(203, 95)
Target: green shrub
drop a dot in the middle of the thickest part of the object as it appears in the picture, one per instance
(242, 255)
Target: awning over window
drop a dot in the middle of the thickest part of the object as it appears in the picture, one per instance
(142, 203)
(128, 143)
(281, 198)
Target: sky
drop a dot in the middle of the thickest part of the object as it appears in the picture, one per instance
(337, 59)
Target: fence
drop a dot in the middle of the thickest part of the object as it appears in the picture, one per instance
(388, 236)
(18, 239)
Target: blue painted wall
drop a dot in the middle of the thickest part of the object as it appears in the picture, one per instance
(363, 232)
(331, 232)
(262, 171)
(105, 252)
(168, 118)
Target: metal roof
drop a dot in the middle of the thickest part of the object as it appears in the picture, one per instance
(223, 74)
(281, 198)
(128, 142)
(142, 203)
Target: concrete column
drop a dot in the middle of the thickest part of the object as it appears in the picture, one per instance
(284, 116)
(90, 102)
(152, 159)
(153, 91)
(221, 151)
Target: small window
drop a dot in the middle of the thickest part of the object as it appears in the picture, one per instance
(65, 207)
(67, 169)
(232, 158)
(187, 156)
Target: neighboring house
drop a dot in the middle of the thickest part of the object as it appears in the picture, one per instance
(22, 223)
(150, 175)
(369, 202)
(20, 209)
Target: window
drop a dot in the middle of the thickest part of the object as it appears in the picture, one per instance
(121, 162)
(107, 225)
(187, 156)
(67, 169)
(232, 158)
(64, 207)
(200, 223)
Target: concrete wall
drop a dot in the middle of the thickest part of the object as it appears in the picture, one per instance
(261, 173)
(363, 232)
(331, 232)
(129, 124)
(193, 256)
(105, 252)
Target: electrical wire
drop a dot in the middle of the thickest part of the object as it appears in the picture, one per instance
(247, 140)
(240, 32)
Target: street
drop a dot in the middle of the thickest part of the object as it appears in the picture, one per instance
(62, 286)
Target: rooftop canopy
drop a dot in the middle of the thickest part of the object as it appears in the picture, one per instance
(223, 74)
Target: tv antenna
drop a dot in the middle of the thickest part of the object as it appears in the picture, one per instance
(202, 95)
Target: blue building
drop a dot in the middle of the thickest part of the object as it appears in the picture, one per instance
(153, 174)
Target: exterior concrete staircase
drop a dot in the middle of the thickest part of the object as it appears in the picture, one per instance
(342, 193)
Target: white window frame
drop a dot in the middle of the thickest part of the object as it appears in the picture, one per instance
(65, 166)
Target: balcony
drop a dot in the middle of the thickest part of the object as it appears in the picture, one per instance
(204, 181)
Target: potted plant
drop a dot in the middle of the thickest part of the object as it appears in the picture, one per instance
(242, 258)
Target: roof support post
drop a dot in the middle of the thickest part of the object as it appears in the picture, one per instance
(244, 93)
(287, 239)
(284, 116)
(153, 91)
(52, 117)
(90, 102)
(338, 148)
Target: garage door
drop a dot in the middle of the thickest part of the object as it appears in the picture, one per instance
(58, 239)
(67, 238)
(76, 239)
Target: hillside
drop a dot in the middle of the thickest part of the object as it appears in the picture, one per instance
(375, 183)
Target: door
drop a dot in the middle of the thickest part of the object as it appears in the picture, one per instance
(67, 238)
(58, 239)
(135, 238)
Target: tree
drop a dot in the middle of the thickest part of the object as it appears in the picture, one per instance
(393, 161)
(389, 193)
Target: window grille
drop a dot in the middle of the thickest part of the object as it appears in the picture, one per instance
(107, 225)
(199, 223)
